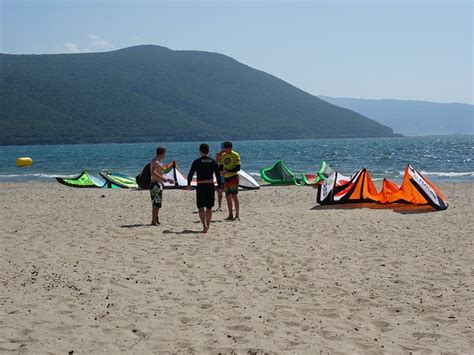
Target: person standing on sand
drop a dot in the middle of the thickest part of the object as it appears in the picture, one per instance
(221, 176)
(231, 166)
(156, 186)
(205, 169)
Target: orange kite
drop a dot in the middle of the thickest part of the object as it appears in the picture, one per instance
(415, 189)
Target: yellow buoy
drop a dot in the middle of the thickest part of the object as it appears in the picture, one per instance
(24, 161)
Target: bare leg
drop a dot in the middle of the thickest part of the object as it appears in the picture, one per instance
(219, 199)
(237, 206)
(208, 217)
(154, 216)
(202, 217)
(229, 206)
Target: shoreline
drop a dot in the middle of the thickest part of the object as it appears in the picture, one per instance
(51, 181)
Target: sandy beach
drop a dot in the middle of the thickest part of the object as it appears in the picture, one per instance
(83, 272)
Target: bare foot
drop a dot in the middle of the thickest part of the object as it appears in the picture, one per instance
(205, 229)
(237, 218)
(230, 218)
(158, 220)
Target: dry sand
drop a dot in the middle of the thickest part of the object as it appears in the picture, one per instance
(82, 272)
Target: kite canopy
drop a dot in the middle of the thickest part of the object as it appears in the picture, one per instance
(247, 182)
(310, 179)
(314, 179)
(172, 171)
(415, 189)
(84, 179)
(279, 174)
(108, 179)
(123, 181)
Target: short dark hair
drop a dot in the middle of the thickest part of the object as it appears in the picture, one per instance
(160, 150)
(204, 148)
(227, 144)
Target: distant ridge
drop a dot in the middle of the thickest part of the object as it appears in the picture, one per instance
(151, 93)
(411, 117)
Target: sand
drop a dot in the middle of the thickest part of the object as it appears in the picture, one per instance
(82, 272)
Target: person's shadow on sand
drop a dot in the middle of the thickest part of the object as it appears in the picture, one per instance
(134, 225)
(186, 231)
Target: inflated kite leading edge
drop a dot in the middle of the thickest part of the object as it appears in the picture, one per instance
(280, 174)
(84, 179)
(415, 189)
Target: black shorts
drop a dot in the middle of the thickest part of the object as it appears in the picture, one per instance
(205, 195)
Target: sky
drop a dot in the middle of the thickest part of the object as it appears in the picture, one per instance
(415, 50)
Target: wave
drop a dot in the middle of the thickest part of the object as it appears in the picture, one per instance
(443, 174)
(37, 175)
(447, 174)
(256, 175)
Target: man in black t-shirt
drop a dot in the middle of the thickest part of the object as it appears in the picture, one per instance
(205, 168)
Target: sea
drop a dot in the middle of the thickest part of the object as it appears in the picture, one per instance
(439, 158)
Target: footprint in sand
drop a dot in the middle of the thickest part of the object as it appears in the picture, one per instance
(27, 331)
(139, 333)
(64, 312)
(205, 306)
(291, 324)
(18, 341)
(184, 320)
(395, 310)
(418, 336)
(382, 325)
(327, 334)
(364, 346)
(329, 313)
(240, 328)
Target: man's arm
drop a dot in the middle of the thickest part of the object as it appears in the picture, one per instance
(236, 169)
(218, 176)
(191, 173)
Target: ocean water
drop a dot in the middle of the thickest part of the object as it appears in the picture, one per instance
(440, 158)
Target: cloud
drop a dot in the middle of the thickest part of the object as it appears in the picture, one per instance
(72, 47)
(95, 43)
(98, 42)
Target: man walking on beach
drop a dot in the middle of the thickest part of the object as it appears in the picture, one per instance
(156, 186)
(205, 169)
(231, 166)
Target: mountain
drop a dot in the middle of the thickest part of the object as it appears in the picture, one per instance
(413, 118)
(152, 93)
